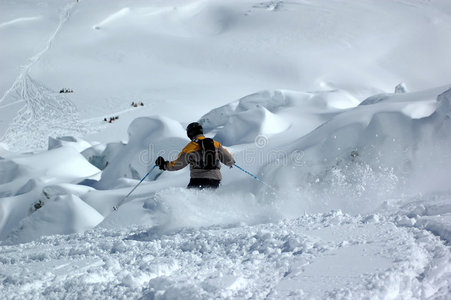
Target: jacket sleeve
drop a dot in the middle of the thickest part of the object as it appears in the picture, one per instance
(181, 162)
(225, 157)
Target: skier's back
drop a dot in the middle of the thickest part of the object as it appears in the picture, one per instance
(204, 155)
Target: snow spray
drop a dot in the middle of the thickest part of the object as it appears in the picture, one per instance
(123, 199)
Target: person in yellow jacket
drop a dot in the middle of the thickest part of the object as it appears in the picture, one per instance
(204, 155)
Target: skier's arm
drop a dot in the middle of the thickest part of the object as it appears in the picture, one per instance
(181, 162)
(225, 157)
(183, 159)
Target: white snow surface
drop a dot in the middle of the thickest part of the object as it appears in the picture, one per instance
(341, 108)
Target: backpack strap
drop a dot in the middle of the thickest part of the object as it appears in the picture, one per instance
(209, 157)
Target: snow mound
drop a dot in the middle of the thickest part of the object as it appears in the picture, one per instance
(366, 155)
(267, 113)
(62, 163)
(415, 105)
(149, 137)
(269, 100)
(377, 173)
(77, 143)
(244, 127)
(335, 99)
(27, 175)
(205, 18)
(8, 171)
(198, 18)
(64, 215)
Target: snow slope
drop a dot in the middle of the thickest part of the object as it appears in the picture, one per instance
(342, 108)
(193, 56)
(341, 223)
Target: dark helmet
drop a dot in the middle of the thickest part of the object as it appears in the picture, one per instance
(194, 129)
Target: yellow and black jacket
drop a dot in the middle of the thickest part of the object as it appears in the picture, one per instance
(191, 155)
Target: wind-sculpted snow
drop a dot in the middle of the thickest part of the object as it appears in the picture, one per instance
(186, 20)
(340, 189)
(345, 220)
(25, 185)
(148, 138)
(8, 171)
(264, 113)
(78, 144)
(60, 215)
(270, 100)
(382, 136)
(343, 164)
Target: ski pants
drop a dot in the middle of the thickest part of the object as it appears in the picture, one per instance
(203, 183)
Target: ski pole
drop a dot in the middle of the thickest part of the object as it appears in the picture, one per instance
(123, 199)
(255, 177)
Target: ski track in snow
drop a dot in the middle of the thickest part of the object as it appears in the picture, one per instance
(284, 260)
(46, 112)
(18, 21)
(188, 246)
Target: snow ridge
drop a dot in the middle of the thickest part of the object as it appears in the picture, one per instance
(356, 200)
(45, 113)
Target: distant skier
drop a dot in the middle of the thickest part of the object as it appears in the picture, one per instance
(203, 155)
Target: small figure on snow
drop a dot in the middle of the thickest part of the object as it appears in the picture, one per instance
(204, 156)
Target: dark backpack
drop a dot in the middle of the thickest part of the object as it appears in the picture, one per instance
(208, 159)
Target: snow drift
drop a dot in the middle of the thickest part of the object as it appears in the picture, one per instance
(356, 200)
(148, 138)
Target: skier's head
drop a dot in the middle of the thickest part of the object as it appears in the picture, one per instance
(194, 129)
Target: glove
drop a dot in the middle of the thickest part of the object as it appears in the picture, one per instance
(160, 162)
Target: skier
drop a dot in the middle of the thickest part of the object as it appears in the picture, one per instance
(203, 155)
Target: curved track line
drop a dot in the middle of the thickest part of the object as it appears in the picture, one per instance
(46, 112)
